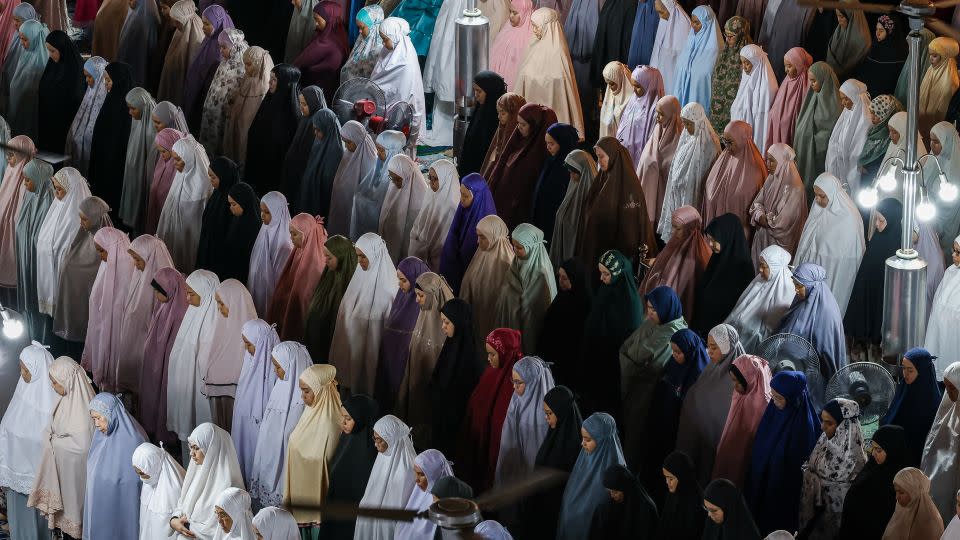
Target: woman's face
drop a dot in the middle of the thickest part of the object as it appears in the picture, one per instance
(214, 179)
(157, 123)
(662, 10)
(225, 52)
(307, 394)
(903, 498)
(713, 350)
(518, 249)
(396, 179)
(362, 259)
(420, 478)
(380, 443)
(552, 146)
(894, 134)
(100, 422)
(514, 18)
(789, 68)
(178, 162)
(223, 518)
(814, 83)
(828, 424)
(523, 126)
(821, 197)
(265, 216)
(107, 81)
(403, 281)
(841, 19)
(248, 68)
(519, 385)
(935, 145)
(29, 184)
(196, 454)
(207, 27)
(479, 94)
(602, 159)
(58, 190)
(713, 243)
(235, 207)
(638, 89)
(103, 257)
(778, 400)
(434, 180)
(736, 383)
(587, 442)
(503, 117)
(695, 24)
(955, 255)
(350, 145)
(363, 28)
(729, 145)
(250, 347)
(304, 107)
(688, 125)
(908, 370)
(12, 159)
(57, 387)
(537, 31)
(764, 270)
(771, 162)
(563, 279)
(605, 276)
(278, 369)
(447, 326)
(846, 101)
(89, 78)
(24, 42)
(347, 423)
(878, 453)
(714, 512)
(331, 259)
(493, 357)
(192, 297)
(880, 32)
(799, 289)
(296, 237)
(746, 65)
(421, 297)
(53, 52)
(224, 309)
(549, 415)
(387, 42)
(319, 23)
(273, 82)
(466, 196)
(164, 153)
(651, 313)
(613, 86)
(935, 59)
(134, 112)
(84, 221)
(730, 38)
(880, 222)
(671, 480)
(678, 356)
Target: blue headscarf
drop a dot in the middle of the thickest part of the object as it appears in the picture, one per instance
(666, 303)
(783, 442)
(695, 360)
(585, 491)
(24, 86)
(461, 242)
(694, 69)
(644, 31)
(915, 405)
(112, 501)
(817, 319)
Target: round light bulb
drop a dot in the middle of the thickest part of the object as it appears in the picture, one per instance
(887, 182)
(948, 192)
(868, 197)
(926, 211)
(12, 328)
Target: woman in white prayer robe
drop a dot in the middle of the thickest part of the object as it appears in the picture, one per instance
(766, 300)
(391, 480)
(162, 480)
(849, 134)
(941, 453)
(942, 338)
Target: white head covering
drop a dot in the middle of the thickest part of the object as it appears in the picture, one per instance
(186, 406)
(182, 213)
(525, 426)
(942, 449)
(204, 483)
(942, 335)
(21, 429)
(56, 234)
(430, 229)
(691, 164)
(220, 364)
(236, 503)
(948, 213)
(899, 149)
(279, 418)
(614, 102)
(397, 71)
(276, 523)
(669, 42)
(833, 238)
(391, 480)
(849, 134)
(161, 491)
(765, 301)
(402, 205)
(355, 350)
(755, 94)
(270, 251)
(355, 169)
(434, 466)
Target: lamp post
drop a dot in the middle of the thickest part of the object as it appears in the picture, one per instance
(13, 339)
(472, 54)
(905, 275)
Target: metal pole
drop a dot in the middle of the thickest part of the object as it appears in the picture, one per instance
(912, 169)
(472, 50)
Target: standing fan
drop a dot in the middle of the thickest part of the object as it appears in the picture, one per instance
(790, 352)
(869, 384)
(398, 117)
(358, 99)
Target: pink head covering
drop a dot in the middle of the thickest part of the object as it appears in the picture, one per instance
(657, 156)
(746, 410)
(225, 357)
(11, 196)
(107, 298)
(163, 174)
(786, 105)
(6, 28)
(295, 287)
(639, 116)
(683, 259)
(511, 44)
(735, 178)
(783, 200)
(161, 334)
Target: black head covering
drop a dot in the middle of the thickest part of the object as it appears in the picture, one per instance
(352, 462)
(272, 131)
(451, 486)
(108, 153)
(454, 376)
(242, 233)
(737, 520)
(728, 273)
(871, 500)
(822, 27)
(864, 317)
(216, 216)
(60, 93)
(295, 160)
(554, 177)
(563, 324)
(561, 447)
(483, 125)
(612, 42)
(682, 515)
(634, 517)
(880, 70)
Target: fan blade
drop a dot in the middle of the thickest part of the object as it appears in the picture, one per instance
(945, 4)
(941, 28)
(826, 4)
(510, 493)
(349, 512)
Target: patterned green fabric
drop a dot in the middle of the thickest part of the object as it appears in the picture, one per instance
(727, 71)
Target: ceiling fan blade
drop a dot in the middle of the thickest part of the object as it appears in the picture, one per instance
(941, 28)
(827, 4)
(510, 493)
(349, 512)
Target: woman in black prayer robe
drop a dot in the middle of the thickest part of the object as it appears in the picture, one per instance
(561, 337)
(561, 139)
(728, 273)
(629, 513)
(559, 450)
(352, 461)
(871, 500)
(455, 374)
(681, 516)
(61, 90)
(295, 161)
(484, 123)
(242, 232)
(108, 153)
(881, 68)
(272, 129)
(823, 24)
(727, 514)
(216, 215)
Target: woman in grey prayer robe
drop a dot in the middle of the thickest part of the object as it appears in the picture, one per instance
(141, 159)
(138, 38)
(368, 200)
(37, 177)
